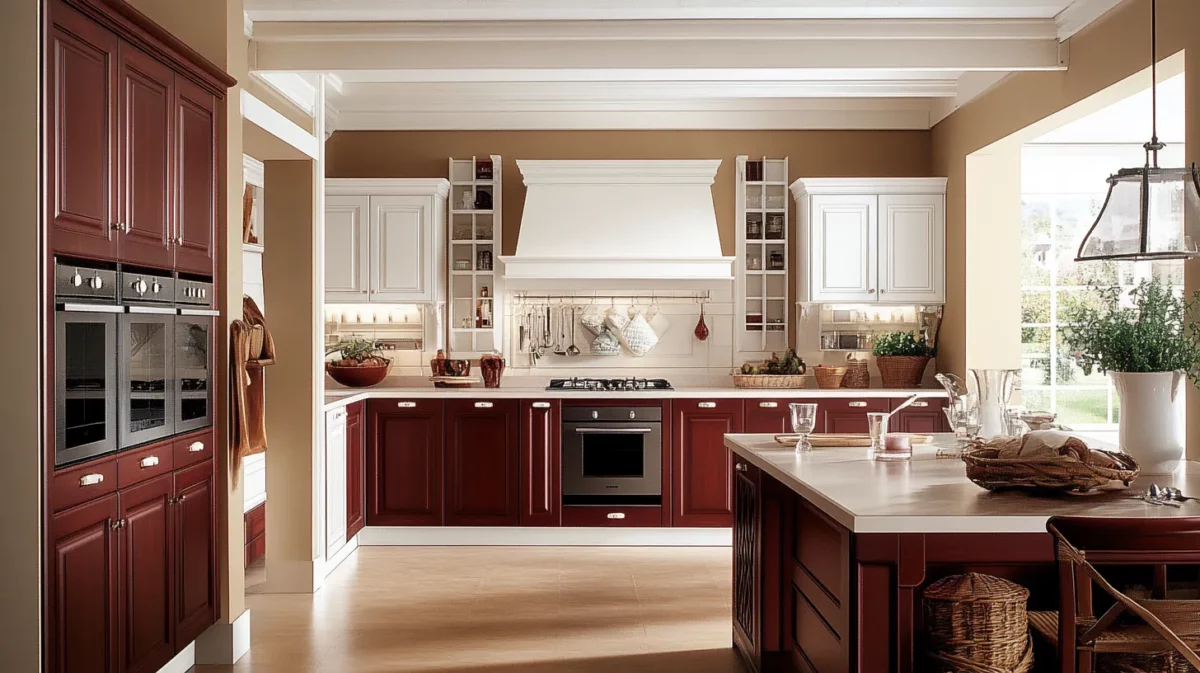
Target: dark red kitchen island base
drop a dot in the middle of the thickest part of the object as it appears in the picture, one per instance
(810, 596)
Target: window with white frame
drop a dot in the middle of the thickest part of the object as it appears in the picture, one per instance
(1062, 189)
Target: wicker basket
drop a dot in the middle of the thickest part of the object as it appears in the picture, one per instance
(901, 371)
(1149, 662)
(977, 623)
(829, 377)
(1058, 473)
(857, 374)
(768, 381)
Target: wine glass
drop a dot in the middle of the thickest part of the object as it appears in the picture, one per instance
(804, 419)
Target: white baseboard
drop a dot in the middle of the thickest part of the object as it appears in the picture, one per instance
(342, 554)
(182, 662)
(487, 536)
(224, 643)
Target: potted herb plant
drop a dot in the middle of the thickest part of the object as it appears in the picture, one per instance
(1148, 344)
(901, 358)
(361, 364)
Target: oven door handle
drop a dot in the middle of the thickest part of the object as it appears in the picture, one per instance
(153, 310)
(199, 311)
(613, 431)
(90, 308)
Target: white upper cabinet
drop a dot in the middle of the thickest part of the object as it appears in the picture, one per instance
(383, 240)
(912, 248)
(872, 240)
(347, 248)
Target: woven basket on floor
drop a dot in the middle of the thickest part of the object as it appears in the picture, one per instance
(857, 374)
(1157, 662)
(977, 623)
(829, 377)
(901, 371)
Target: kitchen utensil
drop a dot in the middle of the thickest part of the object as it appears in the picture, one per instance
(1156, 495)
(701, 331)
(904, 404)
(1172, 493)
(559, 333)
(804, 419)
(573, 349)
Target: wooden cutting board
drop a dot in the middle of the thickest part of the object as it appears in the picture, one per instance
(835, 440)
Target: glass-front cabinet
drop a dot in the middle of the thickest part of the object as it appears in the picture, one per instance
(475, 238)
(763, 255)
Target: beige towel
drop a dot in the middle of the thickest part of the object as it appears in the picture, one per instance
(251, 348)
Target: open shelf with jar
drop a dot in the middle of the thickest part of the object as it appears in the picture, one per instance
(762, 255)
(474, 240)
(852, 327)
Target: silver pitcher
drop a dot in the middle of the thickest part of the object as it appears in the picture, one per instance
(993, 388)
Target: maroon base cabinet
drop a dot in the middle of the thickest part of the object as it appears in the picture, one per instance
(196, 549)
(404, 462)
(773, 416)
(922, 417)
(356, 474)
(82, 588)
(848, 415)
(541, 471)
(147, 580)
(702, 493)
(482, 462)
(810, 596)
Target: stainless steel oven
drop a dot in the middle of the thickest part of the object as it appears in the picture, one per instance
(612, 455)
(146, 358)
(85, 369)
(193, 354)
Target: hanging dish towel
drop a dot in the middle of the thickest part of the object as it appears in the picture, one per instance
(250, 349)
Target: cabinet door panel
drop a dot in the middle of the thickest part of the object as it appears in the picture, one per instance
(402, 250)
(747, 614)
(356, 502)
(772, 416)
(404, 462)
(541, 471)
(849, 416)
(81, 135)
(147, 564)
(196, 552)
(912, 248)
(196, 177)
(147, 97)
(347, 248)
(843, 236)
(335, 481)
(701, 465)
(482, 462)
(82, 593)
(923, 417)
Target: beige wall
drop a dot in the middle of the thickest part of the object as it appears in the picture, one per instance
(20, 413)
(1104, 54)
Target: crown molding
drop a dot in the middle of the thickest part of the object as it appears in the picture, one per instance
(252, 171)
(619, 171)
(807, 186)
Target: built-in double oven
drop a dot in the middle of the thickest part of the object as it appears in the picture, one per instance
(133, 357)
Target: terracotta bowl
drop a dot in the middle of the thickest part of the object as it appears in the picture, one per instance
(357, 377)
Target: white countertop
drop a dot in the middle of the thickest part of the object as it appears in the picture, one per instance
(337, 397)
(933, 495)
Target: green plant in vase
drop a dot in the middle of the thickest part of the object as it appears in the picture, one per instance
(901, 358)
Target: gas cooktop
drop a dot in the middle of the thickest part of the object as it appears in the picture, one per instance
(615, 385)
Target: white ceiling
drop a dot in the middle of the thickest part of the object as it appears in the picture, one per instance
(532, 64)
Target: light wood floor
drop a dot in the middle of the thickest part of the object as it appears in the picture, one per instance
(503, 610)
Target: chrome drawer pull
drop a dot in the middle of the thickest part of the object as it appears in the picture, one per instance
(541, 405)
(195, 447)
(616, 515)
(483, 405)
(707, 405)
(406, 405)
(148, 461)
(767, 405)
(740, 467)
(919, 403)
(858, 404)
(91, 479)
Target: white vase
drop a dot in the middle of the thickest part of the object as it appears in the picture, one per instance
(1152, 418)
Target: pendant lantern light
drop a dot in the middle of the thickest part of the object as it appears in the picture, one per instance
(1150, 213)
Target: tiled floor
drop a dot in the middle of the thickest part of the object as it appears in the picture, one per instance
(503, 610)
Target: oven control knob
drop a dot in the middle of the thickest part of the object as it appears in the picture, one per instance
(203, 293)
(189, 291)
(155, 287)
(595, 414)
(139, 286)
(76, 280)
(633, 414)
(96, 282)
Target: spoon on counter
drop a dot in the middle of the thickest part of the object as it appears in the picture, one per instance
(1155, 495)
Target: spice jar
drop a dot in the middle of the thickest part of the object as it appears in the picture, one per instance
(776, 260)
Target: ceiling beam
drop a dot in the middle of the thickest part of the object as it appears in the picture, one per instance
(1079, 14)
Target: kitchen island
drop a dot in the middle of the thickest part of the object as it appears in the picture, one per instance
(832, 550)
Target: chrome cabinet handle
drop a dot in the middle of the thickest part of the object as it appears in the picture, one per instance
(767, 405)
(616, 515)
(195, 447)
(541, 405)
(857, 404)
(119, 523)
(707, 405)
(91, 479)
(148, 461)
(179, 240)
(881, 291)
(406, 405)
(740, 467)
(483, 405)
(920, 403)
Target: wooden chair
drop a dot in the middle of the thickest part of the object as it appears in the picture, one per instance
(1162, 626)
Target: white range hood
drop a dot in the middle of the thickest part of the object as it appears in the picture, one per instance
(618, 224)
